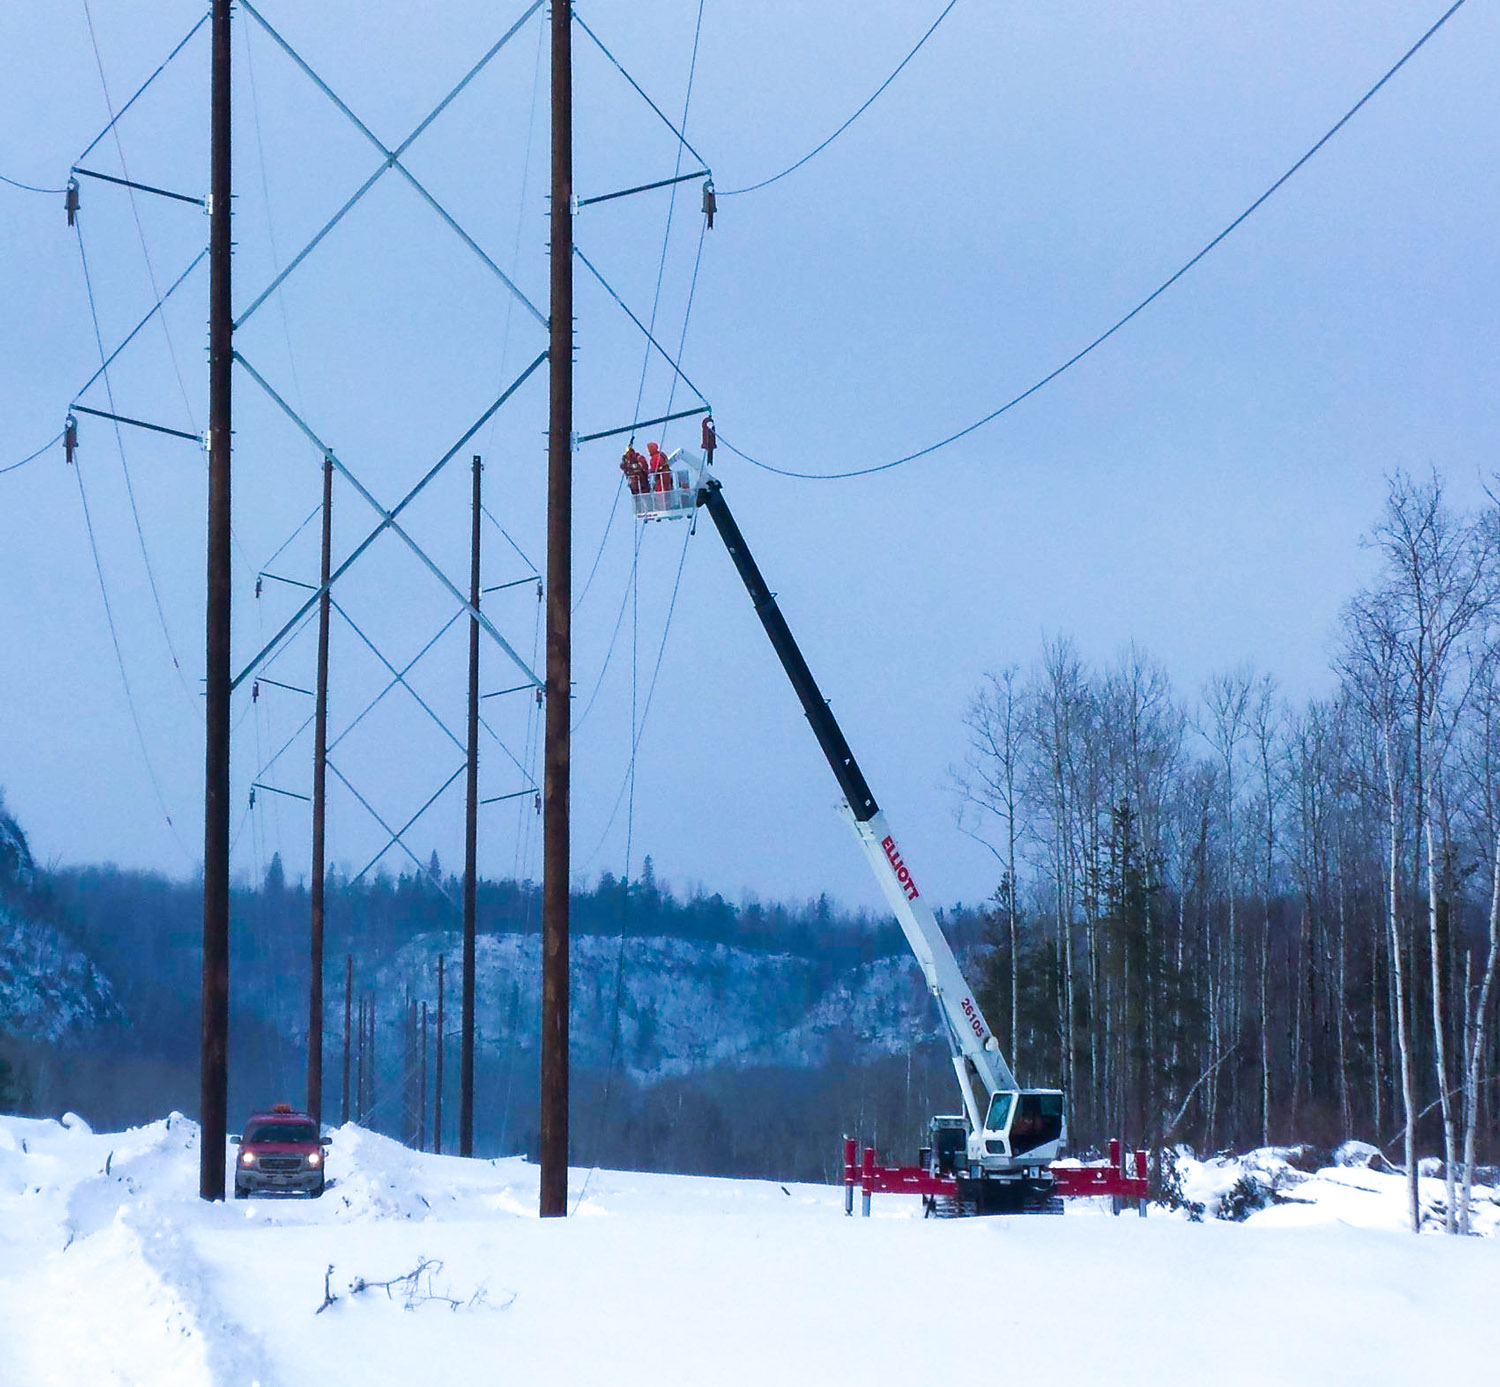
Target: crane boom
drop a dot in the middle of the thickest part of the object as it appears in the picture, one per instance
(974, 1046)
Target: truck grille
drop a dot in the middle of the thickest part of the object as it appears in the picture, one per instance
(280, 1165)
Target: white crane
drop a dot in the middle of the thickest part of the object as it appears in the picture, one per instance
(1002, 1144)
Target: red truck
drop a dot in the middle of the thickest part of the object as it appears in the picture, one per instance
(280, 1153)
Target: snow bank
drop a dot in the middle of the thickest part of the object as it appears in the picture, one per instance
(1361, 1189)
(112, 1271)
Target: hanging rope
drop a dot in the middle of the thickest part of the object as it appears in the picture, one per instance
(813, 153)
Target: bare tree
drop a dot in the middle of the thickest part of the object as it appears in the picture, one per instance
(1227, 698)
(1373, 670)
(1439, 582)
(1265, 730)
(996, 724)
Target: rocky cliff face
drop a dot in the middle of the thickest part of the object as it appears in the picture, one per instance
(684, 1007)
(49, 990)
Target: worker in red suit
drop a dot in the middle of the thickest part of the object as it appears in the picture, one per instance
(661, 469)
(710, 439)
(633, 465)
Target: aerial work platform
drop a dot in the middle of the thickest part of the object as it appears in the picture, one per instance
(673, 492)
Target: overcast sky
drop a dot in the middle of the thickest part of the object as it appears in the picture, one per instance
(1199, 485)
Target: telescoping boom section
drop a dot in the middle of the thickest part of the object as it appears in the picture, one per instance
(999, 1149)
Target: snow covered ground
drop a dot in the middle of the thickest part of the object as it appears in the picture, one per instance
(111, 1271)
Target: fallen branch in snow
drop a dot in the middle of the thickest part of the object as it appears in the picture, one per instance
(415, 1288)
(328, 1295)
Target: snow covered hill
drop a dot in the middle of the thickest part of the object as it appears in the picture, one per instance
(49, 989)
(112, 1272)
(686, 1006)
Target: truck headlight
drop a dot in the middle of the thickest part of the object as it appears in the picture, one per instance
(247, 1158)
(315, 1158)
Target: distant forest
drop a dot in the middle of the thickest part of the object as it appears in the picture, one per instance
(143, 930)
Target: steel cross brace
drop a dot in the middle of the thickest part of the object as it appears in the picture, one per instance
(396, 840)
(388, 521)
(130, 337)
(392, 158)
(399, 677)
(645, 332)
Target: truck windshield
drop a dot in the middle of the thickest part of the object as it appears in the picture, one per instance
(999, 1112)
(281, 1131)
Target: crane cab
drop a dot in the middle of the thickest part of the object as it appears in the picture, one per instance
(1022, 1127)
(672, 493)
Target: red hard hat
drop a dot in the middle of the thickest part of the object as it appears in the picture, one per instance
(653, 448)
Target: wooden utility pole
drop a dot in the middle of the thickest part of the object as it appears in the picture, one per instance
(371, 1068)
(422, 1104)
(555, 926)
(471, 851)
(359, 1077)
(348, 1003)
(437, 1076)
(320, 775)
(213, 1064)
(412, 1134)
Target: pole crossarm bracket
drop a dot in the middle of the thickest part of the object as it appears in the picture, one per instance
(277, 790)
(137, 423)
(139, 187)
(388, 520)
(644, 188)
(290, 582)
(514, 583)
(514, 794)
(699, 408)
(645, 331)
(391, 160)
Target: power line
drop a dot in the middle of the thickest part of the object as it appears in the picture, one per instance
(31, 187)
(640, 732)
(135, 210)
(114, 636)
(125, 467)
(776, 178)
(1134, 312)
(655, 304)
(666, 239)
(17, 466)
